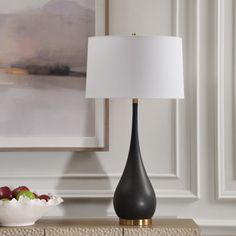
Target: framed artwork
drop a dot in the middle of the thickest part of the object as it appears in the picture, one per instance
(43, 56)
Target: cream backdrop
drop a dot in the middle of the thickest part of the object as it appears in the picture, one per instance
(187, 146)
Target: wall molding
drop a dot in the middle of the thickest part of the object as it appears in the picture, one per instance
(222, 192)
(108, 194)
(81, 194)
(194, 116)
(219, 100)
(79, 176)
(195, 160)
(176, 103)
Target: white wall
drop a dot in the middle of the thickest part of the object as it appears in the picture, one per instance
(187, 147)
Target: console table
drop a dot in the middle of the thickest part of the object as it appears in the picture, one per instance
(97, 227)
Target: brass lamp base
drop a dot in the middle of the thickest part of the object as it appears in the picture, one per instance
(142, 222)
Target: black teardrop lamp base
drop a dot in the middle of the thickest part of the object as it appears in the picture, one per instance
(134, 198)
(142, 222)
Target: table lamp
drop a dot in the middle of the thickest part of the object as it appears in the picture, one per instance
(135, 67)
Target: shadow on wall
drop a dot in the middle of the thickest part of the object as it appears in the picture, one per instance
(76, 180)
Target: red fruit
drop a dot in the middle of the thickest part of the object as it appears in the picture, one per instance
(5, 192)
(44, 197)
(19, 189)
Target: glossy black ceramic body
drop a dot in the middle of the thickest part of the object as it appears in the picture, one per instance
(134, 197)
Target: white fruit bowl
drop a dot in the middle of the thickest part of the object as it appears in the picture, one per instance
(25, 212)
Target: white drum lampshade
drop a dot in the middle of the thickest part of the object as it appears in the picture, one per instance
(135, 67)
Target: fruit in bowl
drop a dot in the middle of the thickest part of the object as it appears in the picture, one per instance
(21, 206)
(44, 197)
(18, 190)
(27, 194)
(5, 192)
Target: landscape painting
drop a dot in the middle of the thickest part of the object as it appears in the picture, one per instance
(43, 54)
